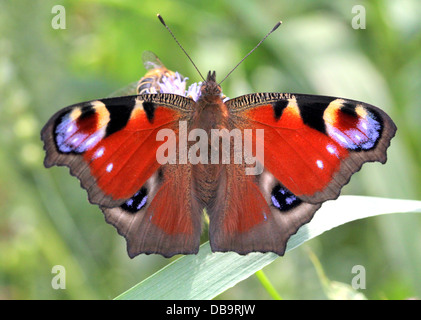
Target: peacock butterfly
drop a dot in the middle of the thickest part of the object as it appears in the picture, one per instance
(155, 161)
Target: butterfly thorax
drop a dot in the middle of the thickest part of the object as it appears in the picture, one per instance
(211, 112)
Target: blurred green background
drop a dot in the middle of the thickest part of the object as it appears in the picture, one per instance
(45, 218)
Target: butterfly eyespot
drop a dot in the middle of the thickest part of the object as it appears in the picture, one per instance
(76, 135)
(137, 202)
(283, 199)
(353, 127)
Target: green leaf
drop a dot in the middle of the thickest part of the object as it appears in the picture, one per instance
(207, 274)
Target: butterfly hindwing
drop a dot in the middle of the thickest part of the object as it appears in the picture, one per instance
(162, 217)
(255, 213)
(313, 144)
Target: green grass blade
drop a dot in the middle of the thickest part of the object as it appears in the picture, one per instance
(270, 289)
(207, 274)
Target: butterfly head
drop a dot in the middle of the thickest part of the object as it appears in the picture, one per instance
(210, 87)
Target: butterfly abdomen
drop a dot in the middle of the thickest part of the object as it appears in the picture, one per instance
(210, 116)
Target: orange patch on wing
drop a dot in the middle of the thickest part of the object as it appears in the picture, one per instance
(302, 158)
(122, 162)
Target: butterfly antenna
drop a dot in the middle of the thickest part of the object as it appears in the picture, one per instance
(273, 29)
(172, 34)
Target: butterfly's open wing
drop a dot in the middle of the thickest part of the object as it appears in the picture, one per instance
(110, 145)
(312, 145)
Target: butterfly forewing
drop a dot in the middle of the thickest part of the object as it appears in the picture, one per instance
(313, 144)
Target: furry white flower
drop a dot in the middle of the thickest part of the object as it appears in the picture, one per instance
(177, 84)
